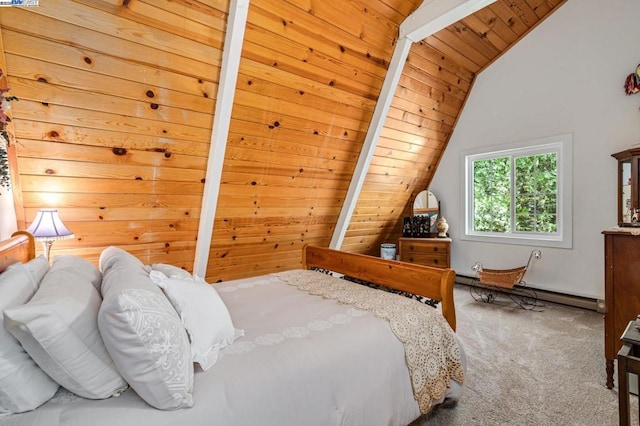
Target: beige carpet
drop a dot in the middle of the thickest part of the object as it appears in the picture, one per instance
(531, 368)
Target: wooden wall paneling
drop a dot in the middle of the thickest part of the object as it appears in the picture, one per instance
(78, 45)
(179, 253)
(504, 12)
(320, 28)
(317, 50)
(95, 151)
(353, 18)
(36, 111)
(310, 67)
(40, 148)
(210, 12)
(436, 42)
(124, 94)
(324, 90)
(496, 26)
(453, 44)
(113, 92)
(303, 68)
(191, 44)
(253, 85)
(306, 61)
(92, 185)
(96, 214)
(56, 132)
(44, 199)
(187, 25)
(524, 11)
(308, 127)
(477, 25)
(540, 7)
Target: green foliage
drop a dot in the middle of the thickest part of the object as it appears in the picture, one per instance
(535, 192)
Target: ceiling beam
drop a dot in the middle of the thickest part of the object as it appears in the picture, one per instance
(236, 24)
(434, 15)
(430, 17)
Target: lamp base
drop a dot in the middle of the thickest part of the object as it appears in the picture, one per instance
(46, 245)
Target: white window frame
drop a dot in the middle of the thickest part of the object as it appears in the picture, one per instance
(562, 145)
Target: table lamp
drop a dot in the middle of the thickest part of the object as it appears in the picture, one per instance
(48, 227)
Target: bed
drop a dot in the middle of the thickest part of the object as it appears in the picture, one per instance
(306, 347)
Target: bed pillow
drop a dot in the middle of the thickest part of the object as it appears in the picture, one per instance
(143, 333)
(172, 271)
(38, 268)
(23, 385)
(204, 315)
(59, 329)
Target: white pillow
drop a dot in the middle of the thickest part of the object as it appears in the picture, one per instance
(58, 328)
(38, 268)
(172, 271)
(204, 315)
(23, 385)
(143, 333)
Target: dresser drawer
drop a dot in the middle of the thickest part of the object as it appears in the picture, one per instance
(437, 260)
(425, 247)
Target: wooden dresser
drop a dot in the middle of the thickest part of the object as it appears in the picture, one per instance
(622, 290)
(425, 251)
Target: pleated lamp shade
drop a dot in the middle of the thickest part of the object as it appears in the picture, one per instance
(47, 227)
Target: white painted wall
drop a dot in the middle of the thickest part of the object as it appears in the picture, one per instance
(566, 76)
(7, 214)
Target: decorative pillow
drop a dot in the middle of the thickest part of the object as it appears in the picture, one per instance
(143, 333)
(58, 328)
(172, 271)
(204, 315)
(23, 385)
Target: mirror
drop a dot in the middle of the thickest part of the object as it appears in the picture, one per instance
(423, 222)
(425, 203)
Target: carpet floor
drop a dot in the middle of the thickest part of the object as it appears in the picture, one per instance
(530, 368)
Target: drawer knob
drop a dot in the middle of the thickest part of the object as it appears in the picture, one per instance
(435, 249)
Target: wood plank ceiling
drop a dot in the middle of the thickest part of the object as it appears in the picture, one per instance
(117, 101)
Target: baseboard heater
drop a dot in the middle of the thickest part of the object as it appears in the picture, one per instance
(548, 296)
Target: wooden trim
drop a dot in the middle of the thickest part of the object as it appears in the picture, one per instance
(433, 283)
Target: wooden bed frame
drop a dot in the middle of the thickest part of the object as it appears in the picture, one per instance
(21, 247)
(433, 283)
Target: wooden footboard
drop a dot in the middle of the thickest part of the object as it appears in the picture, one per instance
(433, 283)
(19, 248)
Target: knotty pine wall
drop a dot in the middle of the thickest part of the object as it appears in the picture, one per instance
(117, 100)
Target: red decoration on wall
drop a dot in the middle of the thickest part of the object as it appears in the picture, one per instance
(632, 82)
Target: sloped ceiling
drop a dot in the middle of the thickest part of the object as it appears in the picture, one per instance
(117, 100)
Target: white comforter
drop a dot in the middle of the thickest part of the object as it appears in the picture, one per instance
(304, 360)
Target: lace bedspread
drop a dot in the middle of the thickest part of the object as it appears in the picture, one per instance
(431, 352)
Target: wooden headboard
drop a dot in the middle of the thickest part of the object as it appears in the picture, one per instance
(433, 283)
(21, 247)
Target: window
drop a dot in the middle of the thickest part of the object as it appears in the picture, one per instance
(520, 193)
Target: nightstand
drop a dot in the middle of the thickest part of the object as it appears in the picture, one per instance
(425, 251)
